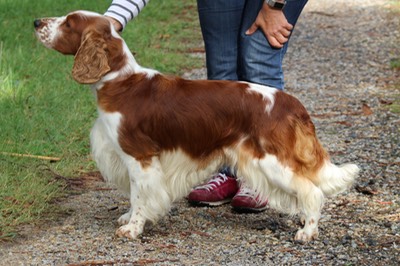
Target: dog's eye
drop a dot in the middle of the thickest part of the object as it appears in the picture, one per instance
(67, 24)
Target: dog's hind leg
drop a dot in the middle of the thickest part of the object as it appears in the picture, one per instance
(291, 193)
(310, 200)
(149, 200)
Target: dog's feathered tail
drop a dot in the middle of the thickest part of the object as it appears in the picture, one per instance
(331, 179)
(336, 179)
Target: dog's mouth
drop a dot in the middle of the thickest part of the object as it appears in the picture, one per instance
(43, 37)
(43, 31)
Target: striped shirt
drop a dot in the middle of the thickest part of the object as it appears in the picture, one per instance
(125, 10)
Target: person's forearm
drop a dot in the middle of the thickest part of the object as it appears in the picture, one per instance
(122, 11)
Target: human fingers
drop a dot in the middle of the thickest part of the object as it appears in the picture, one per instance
(286, 33)
(252, 29)
(281, 38)
(274, 42)
(275, 39)
(288, 26)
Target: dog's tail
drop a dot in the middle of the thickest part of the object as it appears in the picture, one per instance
(336, 179)
(308, 150)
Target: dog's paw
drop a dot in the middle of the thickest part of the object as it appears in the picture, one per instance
(302, 236)
(124, 219)
(128, 231)
(302, 219)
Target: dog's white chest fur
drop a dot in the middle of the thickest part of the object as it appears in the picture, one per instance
(111, 123)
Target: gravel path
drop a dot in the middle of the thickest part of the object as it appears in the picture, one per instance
(338, 65)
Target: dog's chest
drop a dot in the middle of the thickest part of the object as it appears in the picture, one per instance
(110, 124)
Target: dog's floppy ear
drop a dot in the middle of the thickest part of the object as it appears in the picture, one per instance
(91, 61)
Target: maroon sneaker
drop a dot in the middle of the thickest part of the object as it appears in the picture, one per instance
(247, 200)
(219, 190)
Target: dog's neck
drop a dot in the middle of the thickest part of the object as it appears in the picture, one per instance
(130, 68)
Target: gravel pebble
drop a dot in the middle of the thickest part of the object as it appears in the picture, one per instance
(338, 66)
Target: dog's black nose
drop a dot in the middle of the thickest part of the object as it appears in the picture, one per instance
(37, 23)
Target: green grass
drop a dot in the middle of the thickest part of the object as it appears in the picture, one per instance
(44, 112)
(395, 63)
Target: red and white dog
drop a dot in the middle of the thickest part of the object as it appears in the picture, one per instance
(157, 136)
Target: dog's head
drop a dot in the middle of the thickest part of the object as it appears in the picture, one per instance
(90, 37)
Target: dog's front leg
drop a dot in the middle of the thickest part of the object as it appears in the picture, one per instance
(148, 197)
(124, 219)
(133, 221)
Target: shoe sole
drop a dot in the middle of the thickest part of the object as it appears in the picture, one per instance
(209, 204)
(249, 210)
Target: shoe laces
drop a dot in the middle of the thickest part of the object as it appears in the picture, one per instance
(250, 193)
(214, 182)
(247, 192)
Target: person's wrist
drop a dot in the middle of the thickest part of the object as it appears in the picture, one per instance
(276, 4)
(270, 10)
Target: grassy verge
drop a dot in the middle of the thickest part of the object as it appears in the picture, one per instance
(44, 112)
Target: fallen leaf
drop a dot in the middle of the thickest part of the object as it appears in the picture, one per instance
(366, 109)
(383, 101)
(366, 190)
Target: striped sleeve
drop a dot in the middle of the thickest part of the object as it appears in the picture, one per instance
(125, 10)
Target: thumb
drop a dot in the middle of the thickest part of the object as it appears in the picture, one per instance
(252, 29)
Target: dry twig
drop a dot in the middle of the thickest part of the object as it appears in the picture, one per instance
(40, 157)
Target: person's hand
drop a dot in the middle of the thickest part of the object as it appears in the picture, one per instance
(117, 25)
(274, 25)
